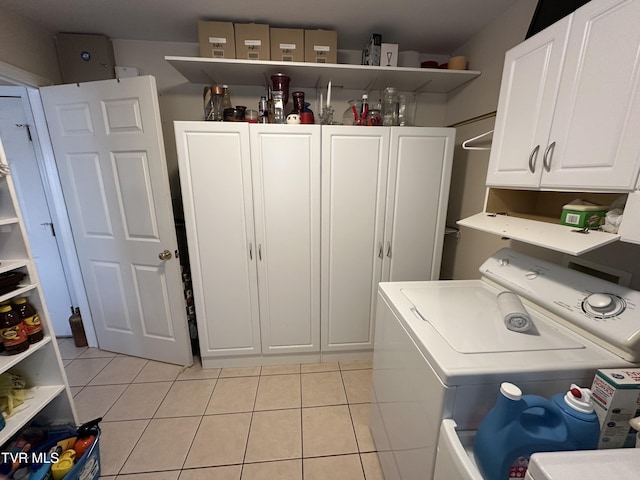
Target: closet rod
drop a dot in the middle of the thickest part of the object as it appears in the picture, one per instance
(474, 119)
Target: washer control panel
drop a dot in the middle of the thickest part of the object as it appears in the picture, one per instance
(607, 312)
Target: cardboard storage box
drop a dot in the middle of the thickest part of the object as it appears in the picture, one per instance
(85, 57)
(287, 44)
(389, 55)
(321, 46)
(615, 396)
(252, 41)
(217, 39)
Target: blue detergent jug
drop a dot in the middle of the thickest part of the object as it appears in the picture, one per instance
(520, 425)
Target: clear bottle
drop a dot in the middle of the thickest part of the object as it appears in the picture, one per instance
(390, 107)
(226, 97)
(364, 109)
(402, 110)
(263, 110)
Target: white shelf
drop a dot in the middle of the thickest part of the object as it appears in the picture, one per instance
(43, 396)
(18, 291)
(9, 361)
(317, 75)
(8, 265)
(548, 235)
(8, 221)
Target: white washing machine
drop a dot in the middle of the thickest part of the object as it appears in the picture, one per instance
(442, 349)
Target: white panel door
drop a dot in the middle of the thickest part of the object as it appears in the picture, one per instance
(215, 176)
(286, 187)
(419, 175)
(354, 184)
(109, 151)
(18, 145)
(594, 141)
(525, 108)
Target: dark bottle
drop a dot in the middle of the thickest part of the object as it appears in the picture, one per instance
(12, 331)
(31, 319)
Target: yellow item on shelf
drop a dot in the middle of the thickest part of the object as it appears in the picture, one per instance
(63, 465)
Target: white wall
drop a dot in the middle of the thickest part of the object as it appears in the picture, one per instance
(28, 46)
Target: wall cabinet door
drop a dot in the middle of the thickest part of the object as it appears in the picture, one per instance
(354, 183)
(385, 192)
(286, 194)
(215, 175)
(569, 107)
(525, 108)
(594, 142)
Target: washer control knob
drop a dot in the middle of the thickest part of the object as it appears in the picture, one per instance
(601, 302)
(504, 262)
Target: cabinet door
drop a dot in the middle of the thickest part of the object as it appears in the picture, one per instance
(416, 207)
(286, 186)
(594, 141)
(354, 182)
(215, 176)
(525, 108)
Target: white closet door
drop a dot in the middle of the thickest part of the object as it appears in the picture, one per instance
(286, 187)
(354, 182)
(419, 176)
(215, 176)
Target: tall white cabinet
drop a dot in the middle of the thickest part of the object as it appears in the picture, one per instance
(40, 365)
(291, 227)
(385, 192)
(251, 196)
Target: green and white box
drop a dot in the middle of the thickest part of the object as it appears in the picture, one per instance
(615, 396)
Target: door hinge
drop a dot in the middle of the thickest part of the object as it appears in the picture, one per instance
(20, 125)
(53, 230)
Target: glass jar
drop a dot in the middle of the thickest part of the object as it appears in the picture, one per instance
(31, 319)
(390, 107)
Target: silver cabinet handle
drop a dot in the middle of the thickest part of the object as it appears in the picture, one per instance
(380, 250)
(250, 251)
(389, 249)
(260, 251)
(533, 158)
(548, 155)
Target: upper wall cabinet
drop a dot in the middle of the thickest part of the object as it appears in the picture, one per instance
(569, 109)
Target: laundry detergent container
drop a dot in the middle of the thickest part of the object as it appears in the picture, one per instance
(520, 425)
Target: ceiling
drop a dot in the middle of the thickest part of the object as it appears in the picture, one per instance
(428, 26)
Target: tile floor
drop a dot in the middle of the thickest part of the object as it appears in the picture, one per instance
(164, 422)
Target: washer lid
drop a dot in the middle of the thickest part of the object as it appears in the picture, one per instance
(468, 318)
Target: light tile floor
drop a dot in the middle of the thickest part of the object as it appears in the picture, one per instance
(164, 422)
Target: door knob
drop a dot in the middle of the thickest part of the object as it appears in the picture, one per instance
(164, 255)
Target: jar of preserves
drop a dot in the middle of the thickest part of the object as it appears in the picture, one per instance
(31, 319)
(12, 331)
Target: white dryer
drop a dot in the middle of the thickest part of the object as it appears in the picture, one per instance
(442, 349)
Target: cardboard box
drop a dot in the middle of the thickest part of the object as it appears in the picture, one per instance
(85, 57)
(217, 39)
(321, 46)
(252, 41)
(371, 52)
(389, 55)
(615, 396)
(287, 44)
